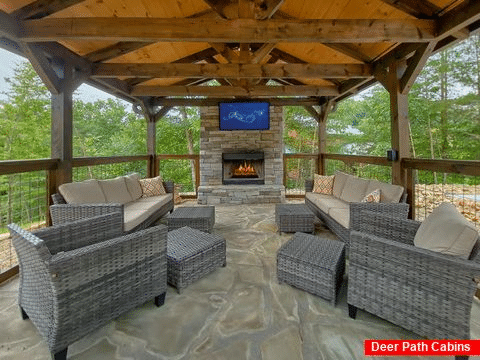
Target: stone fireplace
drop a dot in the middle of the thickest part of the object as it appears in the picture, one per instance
(241, 166)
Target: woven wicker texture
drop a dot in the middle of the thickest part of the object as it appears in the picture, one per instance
(76, 277)
(192, 254)
(197, 217)
(62, 213)
(313, 264)
(294, 217)
(393, 210)
(423, 291)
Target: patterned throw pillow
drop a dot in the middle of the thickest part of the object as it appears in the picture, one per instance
(323, 184)
(373, 197)
(152, 187)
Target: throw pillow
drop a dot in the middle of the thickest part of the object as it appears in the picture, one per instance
(446, 231)
(373, 197)
(152, 187)
(323, 184)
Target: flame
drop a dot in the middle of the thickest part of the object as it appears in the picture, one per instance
(245, 169)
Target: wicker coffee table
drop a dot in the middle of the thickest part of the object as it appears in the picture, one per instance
(192, 254)
(197, 217)
(313, 264)
(294, 217)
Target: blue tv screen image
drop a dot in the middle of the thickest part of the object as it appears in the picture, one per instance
(244, 116)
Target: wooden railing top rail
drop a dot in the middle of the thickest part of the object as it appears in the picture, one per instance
(301, 156)
(22, 166)
(178, 156)
(464, 167)
(364, 159)
(89, 161)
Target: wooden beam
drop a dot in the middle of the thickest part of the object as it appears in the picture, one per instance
(350, 51)
(260, 9)
(224, 31)
(228, 9)
(222, 91)
(415, 66)
(311, 110)
(463, 167)
(419, 9)
(41, 8)
(162, 112)
(248, 71)
(458, 18)
(265, 9)
(9, 27)
(43, 68)
(214, 101)
(115, 50)
(260, 54)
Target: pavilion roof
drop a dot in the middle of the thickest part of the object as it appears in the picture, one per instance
(157, 50)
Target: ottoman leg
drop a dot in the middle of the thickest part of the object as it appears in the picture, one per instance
(352, 311)
(160, 299)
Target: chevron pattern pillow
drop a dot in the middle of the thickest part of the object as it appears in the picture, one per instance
(373, 197)
(152, 187)
(323, 184)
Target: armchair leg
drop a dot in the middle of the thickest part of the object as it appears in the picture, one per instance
(24, 314)
(160, 300)
(461, 357)
(60, 355)
(352, 311)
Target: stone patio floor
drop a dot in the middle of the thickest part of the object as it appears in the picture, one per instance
(237, 312)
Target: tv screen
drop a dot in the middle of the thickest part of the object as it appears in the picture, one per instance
(244, 116)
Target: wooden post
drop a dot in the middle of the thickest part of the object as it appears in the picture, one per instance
(322, 137)
(399, 125)
(152, 167)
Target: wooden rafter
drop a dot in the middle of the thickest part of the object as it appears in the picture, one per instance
(115, 50)
(224, 31)
(260, 9)
(284, 101)
(458, 18)
(259, 55)
(350, 51)
(41, 8)
(415, 65)
(43, 68)
(222, 91)
(419, 9)
(250, 71)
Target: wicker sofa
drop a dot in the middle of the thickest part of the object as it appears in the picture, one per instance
(340, 210)
(123, 194)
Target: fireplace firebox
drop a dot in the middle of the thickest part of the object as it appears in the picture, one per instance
(243, 168)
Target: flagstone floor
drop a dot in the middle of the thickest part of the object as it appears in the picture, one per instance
(237, 312)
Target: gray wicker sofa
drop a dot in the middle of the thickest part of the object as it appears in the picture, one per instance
(340, 210)
(123, 194)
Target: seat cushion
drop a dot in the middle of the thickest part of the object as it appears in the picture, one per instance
(341, 215)
(85, 192)
(133, 186)
(446, 231)
(138, 211)
(115, 190)
(354, 190)
(325, 202)
(389, 193)
(323, 184)
(152, 186)
(339, 182)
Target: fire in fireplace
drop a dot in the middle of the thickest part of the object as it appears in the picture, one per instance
(245, 168)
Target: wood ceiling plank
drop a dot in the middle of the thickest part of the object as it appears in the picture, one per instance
(245, 71)
(419, 9)
(115, 50)
(41, 8)
(459, 18)
(222, 91)
(240, 30)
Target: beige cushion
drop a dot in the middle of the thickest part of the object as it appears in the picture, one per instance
(133, 186)
(323, 184)
(325, 202)
(138, 211)
(85, 192)
(372, 197)
(354, 190)
(446, 231)
(152, 186)
(389, 193)
(115, 190)
(339, 183)
(340, 215)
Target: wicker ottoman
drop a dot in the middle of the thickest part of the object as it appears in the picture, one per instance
(192, 254)
(294, 217)
(198, 217)
(313, 264)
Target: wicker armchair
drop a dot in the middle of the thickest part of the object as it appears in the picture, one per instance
(420, 290)
(76, 277)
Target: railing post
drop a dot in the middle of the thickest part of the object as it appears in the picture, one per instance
(197, 173)
(410, 188)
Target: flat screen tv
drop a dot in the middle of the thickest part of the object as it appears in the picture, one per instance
(244, 116)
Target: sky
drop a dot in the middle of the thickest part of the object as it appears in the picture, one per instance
(9, 61)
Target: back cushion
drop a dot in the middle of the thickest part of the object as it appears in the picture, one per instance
(115, 190)
(446, 231)
(339, 182)
(85, 192)
(133, 186)
(354, 190)
(388, 193)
